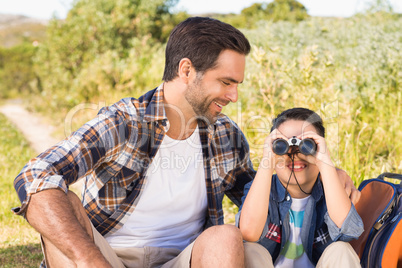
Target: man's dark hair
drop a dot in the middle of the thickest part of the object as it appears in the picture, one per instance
(201, 40)
(301, 114)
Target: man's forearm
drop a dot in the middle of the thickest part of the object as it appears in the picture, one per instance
(52, 214)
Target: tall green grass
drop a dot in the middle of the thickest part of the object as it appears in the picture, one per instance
(347, 70)
(19, 243)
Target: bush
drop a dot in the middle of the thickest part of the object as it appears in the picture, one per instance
(278, 10)
(88, 52)
(17, 70)
(348, 70)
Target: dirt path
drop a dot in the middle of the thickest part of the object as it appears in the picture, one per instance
(36, 132)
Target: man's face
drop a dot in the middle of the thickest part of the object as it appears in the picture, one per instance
(209, 93)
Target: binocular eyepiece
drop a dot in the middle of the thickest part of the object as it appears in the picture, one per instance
(306, 146)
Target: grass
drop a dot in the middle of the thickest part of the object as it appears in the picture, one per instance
(19, 243)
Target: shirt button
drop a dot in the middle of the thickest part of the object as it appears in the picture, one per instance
(287, 198)
(275, 234)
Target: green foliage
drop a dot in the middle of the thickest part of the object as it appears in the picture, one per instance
(278, 10)
(98, 45)
(17, 70)
(286, 10)
(94, 27)
(256, 12)
(19, 243)
(348, 70)
(110, 75)
(26, 256)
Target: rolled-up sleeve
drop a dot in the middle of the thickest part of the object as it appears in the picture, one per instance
(351, 228)
(63, 164)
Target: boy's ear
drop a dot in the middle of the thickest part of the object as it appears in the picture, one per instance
(185, 69)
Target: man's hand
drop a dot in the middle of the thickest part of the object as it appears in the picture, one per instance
(350, 189)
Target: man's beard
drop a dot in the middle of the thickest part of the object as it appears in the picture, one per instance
(199, 102)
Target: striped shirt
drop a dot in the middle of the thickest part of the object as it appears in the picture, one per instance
(293, 253)
(112, 153)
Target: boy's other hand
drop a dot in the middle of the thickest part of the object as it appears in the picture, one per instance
(322, 156)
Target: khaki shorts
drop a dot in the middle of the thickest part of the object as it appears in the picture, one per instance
(147, 257)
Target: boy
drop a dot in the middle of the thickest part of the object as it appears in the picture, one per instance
(295, 215)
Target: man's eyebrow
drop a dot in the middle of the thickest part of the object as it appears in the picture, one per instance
(233, 80)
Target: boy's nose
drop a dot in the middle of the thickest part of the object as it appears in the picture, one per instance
(293, 150)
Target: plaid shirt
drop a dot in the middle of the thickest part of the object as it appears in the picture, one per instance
(112, 153)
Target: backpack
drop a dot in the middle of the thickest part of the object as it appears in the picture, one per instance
(380, 208)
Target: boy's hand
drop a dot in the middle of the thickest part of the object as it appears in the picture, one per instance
(322, 155)
(269, 158)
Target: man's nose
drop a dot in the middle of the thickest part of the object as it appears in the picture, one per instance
(232, 94)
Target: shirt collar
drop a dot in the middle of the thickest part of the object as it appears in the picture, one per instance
(155, 108)
(281, 193)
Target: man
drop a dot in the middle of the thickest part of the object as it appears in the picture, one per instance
(144, 208)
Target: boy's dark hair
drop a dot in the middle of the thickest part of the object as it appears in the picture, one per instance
(301, 114)
(201, 40)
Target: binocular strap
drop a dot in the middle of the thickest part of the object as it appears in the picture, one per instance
(292, 157)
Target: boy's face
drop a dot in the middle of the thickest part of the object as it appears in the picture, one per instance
(305, 172)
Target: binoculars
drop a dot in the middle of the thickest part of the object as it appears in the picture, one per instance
(306, 146)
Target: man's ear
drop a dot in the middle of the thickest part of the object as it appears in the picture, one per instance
(185, 69)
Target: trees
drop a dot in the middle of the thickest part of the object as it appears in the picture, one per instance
(98, 39)
(94, 27)
(16, 69)
(288, 10)
(278, 10)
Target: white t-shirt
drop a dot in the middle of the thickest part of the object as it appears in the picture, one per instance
(293, 254)
(172, 208)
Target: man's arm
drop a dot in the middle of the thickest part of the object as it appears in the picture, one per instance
(42, 187)
(98, 141)
(52, 214)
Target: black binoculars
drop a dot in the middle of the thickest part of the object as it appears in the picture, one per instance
(306, 146)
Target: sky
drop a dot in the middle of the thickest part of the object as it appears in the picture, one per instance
(46, 9)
